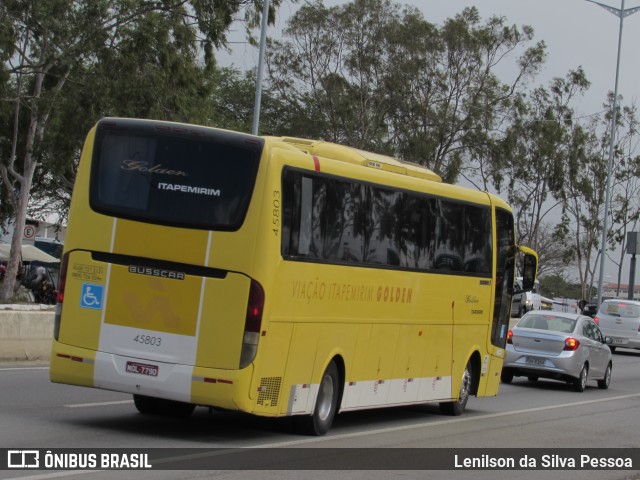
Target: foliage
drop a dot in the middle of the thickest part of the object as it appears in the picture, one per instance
(232, 101)
(66, 63)
(374, 75)
(542, 155)
(556, 286)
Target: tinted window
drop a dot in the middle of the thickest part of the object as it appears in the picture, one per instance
(344, 221)
(173, 175)
(548, 322)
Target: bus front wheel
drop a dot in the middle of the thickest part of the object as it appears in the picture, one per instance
(320, 421)
(457, 406)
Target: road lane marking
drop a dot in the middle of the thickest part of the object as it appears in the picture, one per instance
(443, 422)
(46, 476)
(9, 369)
(98, 404)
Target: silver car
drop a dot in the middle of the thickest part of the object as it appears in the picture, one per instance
(561, 346)
(620, 320)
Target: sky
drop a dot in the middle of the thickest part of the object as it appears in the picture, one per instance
(576, 32)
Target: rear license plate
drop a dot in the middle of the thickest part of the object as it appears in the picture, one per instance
(535, 361)
(142, 369)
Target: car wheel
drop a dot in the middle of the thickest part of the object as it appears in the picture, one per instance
(320, 421)
(163, 407)
(580, 383)
(456, 407)
(533, 378)
(613, 349)
(604, 383)
(506, 376)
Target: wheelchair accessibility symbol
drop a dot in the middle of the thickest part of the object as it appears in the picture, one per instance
(91, 296)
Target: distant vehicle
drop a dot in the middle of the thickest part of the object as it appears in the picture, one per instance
(620, 320)
(561, 346)
(546, 303)
(51, 246)
(591, 308)
(524, 302)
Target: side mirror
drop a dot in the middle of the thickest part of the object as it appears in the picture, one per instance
(529, 268)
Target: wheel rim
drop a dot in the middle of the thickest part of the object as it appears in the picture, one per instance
(325, 397)
(583, 377)
(466, 386)
(607, 375)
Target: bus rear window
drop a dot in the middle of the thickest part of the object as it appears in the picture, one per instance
(166, 174)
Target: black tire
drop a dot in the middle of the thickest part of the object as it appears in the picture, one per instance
(604, 383)
(160, 406)
(456, 407)
(613, 349)
(506, 376)
(324, 411)
(533, 378)
(580, 383)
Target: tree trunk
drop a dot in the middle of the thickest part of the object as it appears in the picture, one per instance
(25, 180)
(15, 257)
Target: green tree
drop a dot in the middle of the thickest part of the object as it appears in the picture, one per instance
(625, 201)
(375, 75)
(557, 286)
(445, 97)
(231, 104)
(330, 74)
(68, 62)
(584, 177)
(540, 148)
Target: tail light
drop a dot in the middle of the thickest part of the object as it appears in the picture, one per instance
(252, 324)
(571, 344)
(596, 319)
(510, 337)
(60, 297)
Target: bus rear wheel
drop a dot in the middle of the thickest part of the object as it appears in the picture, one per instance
(456, 407)
(160, 406)
(320, 421)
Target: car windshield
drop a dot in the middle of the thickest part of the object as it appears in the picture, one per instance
(620, 309)
(552, 323)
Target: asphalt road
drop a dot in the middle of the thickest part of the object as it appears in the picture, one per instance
(35, 413)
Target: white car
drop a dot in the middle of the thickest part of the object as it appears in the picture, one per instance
(620, 320)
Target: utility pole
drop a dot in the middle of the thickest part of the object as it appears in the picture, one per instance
(622, 13)
(263, 41)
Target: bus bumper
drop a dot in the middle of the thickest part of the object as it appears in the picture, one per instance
(228, 389)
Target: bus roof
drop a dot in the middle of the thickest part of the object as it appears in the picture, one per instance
(360, 157)
(376, 161)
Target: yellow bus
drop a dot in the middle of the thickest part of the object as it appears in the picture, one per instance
(278, 277)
